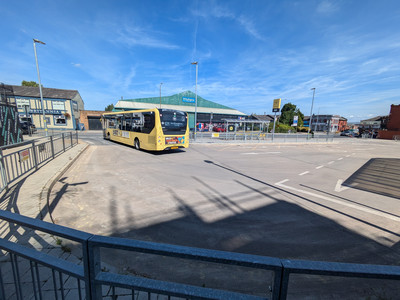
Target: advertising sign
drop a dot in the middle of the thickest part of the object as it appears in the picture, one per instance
(277, 105)
(295, 120)
(59, 105)
(175, 140)
(22, 102)
(24, 155)
(188, 100)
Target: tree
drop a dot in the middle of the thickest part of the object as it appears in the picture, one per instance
(288, 111)
(109, 107)
(29, 83)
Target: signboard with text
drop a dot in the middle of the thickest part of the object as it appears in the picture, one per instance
(188, 100)
(277, 105)
(46, 111)
(295, 120)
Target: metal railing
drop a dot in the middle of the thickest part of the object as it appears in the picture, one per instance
(91, 281)
(19, 159)
(256, 136)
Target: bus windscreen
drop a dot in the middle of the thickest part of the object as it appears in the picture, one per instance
(173, 122)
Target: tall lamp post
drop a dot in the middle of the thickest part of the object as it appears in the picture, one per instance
(312, 104)
(40, 84)
(160, 93)
(195, 105)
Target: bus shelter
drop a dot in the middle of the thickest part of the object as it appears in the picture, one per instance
(245, 129)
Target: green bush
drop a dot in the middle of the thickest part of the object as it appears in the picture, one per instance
(302, 129)
(281, 128)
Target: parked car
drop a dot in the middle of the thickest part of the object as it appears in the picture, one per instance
(349, 133)
(27, 127)
(345, 133)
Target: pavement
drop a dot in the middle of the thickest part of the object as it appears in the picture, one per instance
(28, 197)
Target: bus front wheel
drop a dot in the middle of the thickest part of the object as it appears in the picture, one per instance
(137, 144)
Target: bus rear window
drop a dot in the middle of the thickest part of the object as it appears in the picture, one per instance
(173, 122)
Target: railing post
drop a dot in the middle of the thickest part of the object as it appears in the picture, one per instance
(276, 288)
(94, 268)
(52, 146)
(71, 139)
(3, 170)
(76, 134)
(284, 283)
(35, 158)
(62, 134)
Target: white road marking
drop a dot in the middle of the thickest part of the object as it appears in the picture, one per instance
(355, 206)
(249, 153)
(283, 181)
(340, 158)
(319, 167)
(348, 155)
(339, 187)
(331, 162)
(304, 173)
(272, 152)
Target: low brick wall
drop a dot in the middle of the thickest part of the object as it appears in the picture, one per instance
(389, 134)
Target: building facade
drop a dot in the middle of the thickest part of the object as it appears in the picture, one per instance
(208, 112)
(342, 126)
(329, 123)
(393, 125)
(90, 120)
(61, 107)
(373, 124)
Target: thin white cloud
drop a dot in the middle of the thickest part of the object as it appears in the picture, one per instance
(249, 27)
(218, 11)
(137, 36)
(327, 7)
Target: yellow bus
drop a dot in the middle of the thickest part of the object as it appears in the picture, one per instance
(151, 129)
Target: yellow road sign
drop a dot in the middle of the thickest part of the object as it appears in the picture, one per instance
(277, 105)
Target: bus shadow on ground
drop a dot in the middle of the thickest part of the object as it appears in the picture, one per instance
(163, 152)
(379, 175)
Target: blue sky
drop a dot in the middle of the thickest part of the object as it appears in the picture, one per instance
(249, 52)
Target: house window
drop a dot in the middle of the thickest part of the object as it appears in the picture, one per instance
(60, 120)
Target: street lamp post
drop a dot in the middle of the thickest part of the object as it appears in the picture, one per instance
(195, 107)
(40, 84)
(160, 93)
(312, 104)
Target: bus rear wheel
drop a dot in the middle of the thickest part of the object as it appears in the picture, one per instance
(137, 144)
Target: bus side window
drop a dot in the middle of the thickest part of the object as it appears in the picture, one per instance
(128, 121)
(149, 122)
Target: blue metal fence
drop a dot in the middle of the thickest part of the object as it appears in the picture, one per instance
(90, 281)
